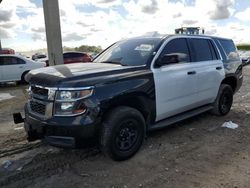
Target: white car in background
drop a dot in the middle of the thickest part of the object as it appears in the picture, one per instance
(15, 67)
(245, 57)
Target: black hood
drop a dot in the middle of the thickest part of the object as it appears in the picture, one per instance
(80, 74)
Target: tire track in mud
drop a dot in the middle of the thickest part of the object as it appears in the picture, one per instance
(20, 149)
(45, 165)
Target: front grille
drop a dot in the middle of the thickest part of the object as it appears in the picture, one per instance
(38, 107)
(39, 91)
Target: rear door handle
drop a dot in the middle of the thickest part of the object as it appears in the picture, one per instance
(218, 68)
(191, 72)
(21, 67)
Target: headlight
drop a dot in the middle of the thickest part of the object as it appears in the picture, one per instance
(73, 95)
(70, 103)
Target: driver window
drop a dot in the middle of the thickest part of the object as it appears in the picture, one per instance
(176, 48)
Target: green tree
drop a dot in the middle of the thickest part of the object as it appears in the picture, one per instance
(84, 48)
(243, 46)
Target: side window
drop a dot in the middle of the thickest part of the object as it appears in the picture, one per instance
(20, 61)
(202, 50)
(73, 55)
(229, 49)
(222, 52)
(176, 49)
(10, 61)
(78, 55)
(66, 55)
(1, 61)
(213, 50)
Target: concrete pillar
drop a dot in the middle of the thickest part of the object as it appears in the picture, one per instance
(53, 31)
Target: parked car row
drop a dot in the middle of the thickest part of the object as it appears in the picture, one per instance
(14, 67)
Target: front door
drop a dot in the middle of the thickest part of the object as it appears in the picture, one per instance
(175, 84)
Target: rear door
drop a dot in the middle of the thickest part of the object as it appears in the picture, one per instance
(175, 84)
(1, 68)
(209, 69)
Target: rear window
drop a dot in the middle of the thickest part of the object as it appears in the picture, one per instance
(72, 55)
(204, 50)
(229, 49)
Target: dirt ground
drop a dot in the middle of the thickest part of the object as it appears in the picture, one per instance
(194, 153)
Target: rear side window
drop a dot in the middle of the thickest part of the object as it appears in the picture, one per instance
(67, 55)
(203, 50)
(1, 61)
(177, 47)
(11, 61)
(77, 55)
(72, 55)
(229, 49)
(20, 61)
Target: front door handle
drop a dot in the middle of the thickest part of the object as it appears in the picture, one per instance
(191, 72)
(218, 68)
(21, 67)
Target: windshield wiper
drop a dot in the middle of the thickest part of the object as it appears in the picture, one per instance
(114, 62)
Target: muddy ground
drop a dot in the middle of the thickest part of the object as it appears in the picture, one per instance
(194, 153)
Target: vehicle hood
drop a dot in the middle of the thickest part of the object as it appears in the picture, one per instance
(79, 74)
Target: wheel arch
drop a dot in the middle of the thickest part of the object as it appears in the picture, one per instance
(139, 101)
(231, 81)
(23, 75)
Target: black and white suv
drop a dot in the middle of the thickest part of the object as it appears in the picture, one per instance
(134, 86)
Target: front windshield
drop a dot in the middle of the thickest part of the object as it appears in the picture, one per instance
(131, 52)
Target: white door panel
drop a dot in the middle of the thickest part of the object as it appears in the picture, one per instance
(208, 80)
(12, 72)
(1, 73)
(13, 68)
(175, 89)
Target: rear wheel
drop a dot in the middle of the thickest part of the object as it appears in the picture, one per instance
(123, 133)
(224, 100)
(23, 81)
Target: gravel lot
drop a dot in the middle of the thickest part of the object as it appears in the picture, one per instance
(194, 153)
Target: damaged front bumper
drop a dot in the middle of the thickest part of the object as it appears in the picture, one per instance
(58, 131)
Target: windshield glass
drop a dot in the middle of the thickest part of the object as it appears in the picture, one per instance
(131, 52)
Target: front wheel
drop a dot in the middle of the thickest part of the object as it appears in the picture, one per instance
(224, 100)
(123, 133)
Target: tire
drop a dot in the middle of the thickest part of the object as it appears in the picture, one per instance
(123, 133)
(224, 101)
(23, 78)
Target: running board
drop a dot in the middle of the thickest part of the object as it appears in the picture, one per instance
(180, 117)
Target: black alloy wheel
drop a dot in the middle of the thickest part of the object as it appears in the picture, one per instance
(123, 133)
(127, 135)
(224, 100)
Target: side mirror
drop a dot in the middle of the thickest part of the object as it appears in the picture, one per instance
(167, 59)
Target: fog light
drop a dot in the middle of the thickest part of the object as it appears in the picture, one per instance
(67, 106)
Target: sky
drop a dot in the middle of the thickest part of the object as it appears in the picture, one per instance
(103, 22)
